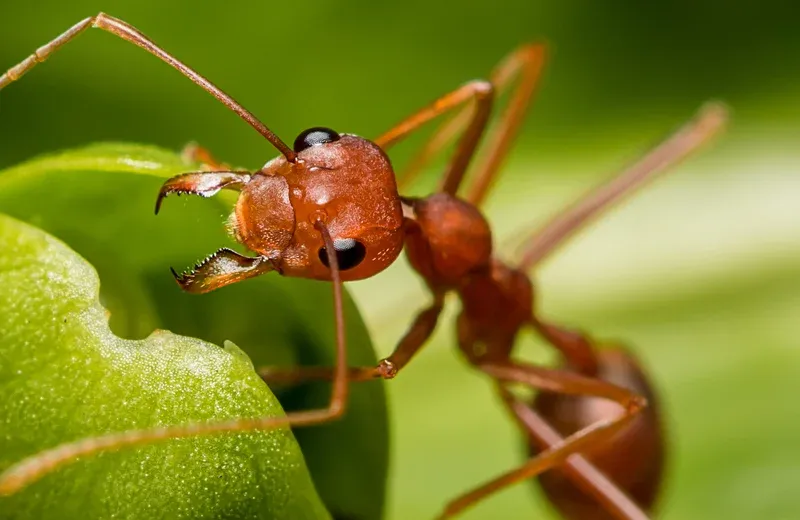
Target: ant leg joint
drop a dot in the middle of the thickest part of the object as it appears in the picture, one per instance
(95, 20)
(387, 369)
(482, 88)
(336, 410)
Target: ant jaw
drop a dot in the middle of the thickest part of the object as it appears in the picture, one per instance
(203, 184)
(222, 268)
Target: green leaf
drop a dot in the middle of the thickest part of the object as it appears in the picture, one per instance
(99, 200)
(65, 375)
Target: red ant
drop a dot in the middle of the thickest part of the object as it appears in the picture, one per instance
(328, 208)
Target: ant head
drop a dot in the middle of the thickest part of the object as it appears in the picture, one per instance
(346, 182)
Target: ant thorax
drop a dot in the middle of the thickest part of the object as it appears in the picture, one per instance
(447, 239)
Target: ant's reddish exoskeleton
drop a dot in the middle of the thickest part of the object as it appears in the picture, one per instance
(328, 208)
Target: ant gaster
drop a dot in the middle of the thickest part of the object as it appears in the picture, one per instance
(328, 208)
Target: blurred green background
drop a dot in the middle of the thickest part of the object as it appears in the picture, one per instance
(701, 274)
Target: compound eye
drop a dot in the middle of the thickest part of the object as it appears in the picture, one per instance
(313, 137)
(349, 253)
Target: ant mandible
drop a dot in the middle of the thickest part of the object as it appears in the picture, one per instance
(328, 208)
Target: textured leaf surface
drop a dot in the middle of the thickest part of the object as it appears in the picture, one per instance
(86, 379)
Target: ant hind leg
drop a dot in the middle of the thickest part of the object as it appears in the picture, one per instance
(558, 381)
(578, 469)
(708, 122)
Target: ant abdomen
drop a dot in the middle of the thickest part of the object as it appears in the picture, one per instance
(633, 459)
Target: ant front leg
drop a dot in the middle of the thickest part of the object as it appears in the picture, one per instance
(413, 340)
(579, 470)
(481, 93)
(563, 382)
(525, 64)
(33, 468)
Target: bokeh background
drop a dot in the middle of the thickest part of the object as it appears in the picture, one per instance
(700, 273)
